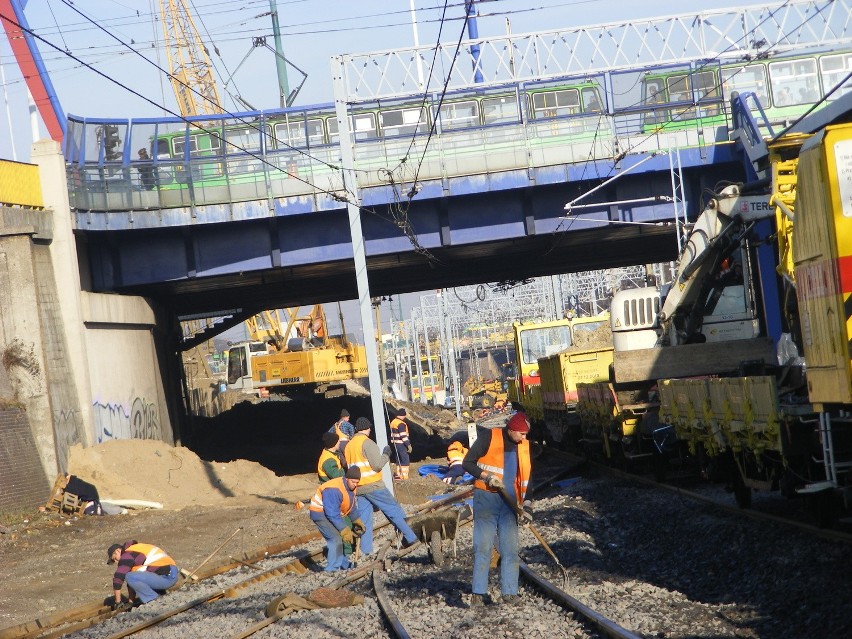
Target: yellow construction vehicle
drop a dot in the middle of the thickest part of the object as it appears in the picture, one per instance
(296, 359)
(485, 393)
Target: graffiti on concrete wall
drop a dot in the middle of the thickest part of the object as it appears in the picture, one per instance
(115, 421)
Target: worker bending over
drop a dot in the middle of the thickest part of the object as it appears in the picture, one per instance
(401, 444)
(455, 456)
(145, 568)
(364, 453)
(500, 465)
(330, 508)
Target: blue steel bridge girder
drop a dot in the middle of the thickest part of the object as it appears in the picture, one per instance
(478, 236)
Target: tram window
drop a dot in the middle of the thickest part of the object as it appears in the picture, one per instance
(591, 101)
(796, 79)
(705, 85)
(746, 79)
(364, 125)
(655, 92)
(503, 109)
(242, 140)
(292, 133)
(180, 145)
(548, 104)
(678, 86)
(459, 115)
(833, 68)
(163, 147)
(403, 122)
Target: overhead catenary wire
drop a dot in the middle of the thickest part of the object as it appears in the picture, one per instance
(333, 195)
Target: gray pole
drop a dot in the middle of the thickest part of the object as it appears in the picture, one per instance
(418, 370)
(451, 355)
(428, 358)
(347, 156)
(280, 61)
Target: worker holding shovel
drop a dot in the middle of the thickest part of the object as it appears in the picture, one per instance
(498, 462)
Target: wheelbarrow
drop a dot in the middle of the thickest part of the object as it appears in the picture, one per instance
(433, 529)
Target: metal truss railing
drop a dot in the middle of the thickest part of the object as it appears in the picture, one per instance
(744, 32)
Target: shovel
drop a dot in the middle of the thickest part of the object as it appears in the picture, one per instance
(521, 517)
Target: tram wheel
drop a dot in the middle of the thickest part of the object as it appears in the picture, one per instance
(436, 548)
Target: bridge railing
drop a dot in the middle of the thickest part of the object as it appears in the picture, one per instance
(103, 178)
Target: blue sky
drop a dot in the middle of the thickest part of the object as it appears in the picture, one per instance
(313, 31)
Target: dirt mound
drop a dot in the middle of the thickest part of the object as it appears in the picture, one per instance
(285, 436)
(177, 477)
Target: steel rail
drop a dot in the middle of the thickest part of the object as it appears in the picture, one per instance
(824, 533)
(601, 623)
(90, 614)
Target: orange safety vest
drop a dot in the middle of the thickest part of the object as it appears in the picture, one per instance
(354, 455)
(326, 454)
(399, 431)
(337, 484)
(455, 454)
(492, 462)
(154, 556)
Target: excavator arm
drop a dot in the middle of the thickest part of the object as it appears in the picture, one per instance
(706, 260)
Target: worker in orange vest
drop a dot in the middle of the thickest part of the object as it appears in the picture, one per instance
(500, 465)
(401, 444)
(333, 501)
(364, 453)
(455, 456)
(145, 568)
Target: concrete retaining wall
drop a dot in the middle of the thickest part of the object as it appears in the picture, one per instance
(75, 367)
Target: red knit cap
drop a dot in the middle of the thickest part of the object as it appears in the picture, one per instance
(519, 423)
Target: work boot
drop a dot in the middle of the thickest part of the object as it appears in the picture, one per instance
(409, 544)
(510, 599)
(476, 601)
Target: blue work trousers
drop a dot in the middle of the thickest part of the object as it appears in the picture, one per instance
(336, 560)
(384, 501)
(146, 584)
(493, 516)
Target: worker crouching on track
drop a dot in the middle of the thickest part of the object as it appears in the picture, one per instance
(146, 569)
(401, 444)
(333, 501)
(455, 456)
(364, 453)
(499, 462)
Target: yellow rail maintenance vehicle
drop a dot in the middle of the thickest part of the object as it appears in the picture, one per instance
(537, 340)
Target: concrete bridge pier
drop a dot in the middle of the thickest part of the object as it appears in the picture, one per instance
(78, 368)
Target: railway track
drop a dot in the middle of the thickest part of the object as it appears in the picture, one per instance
(640, 561)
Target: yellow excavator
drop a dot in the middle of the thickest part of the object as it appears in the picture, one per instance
(485, 393)
(297, 358)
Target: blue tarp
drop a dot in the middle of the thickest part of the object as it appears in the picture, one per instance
(440, 472)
